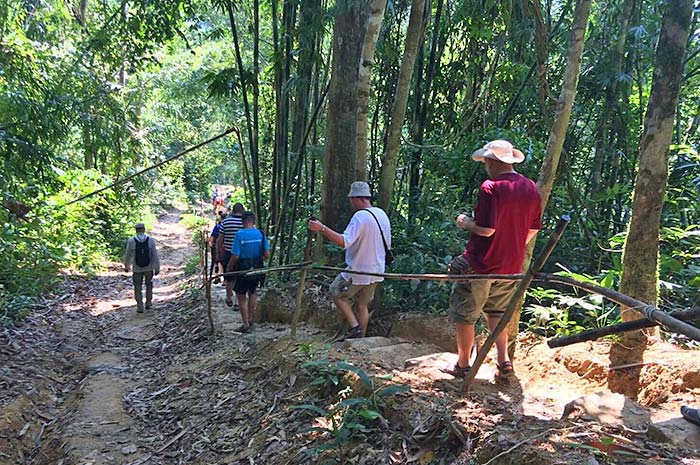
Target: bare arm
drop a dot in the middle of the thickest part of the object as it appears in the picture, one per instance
(232, 263)
(464, 222)
(328, 233)
(531, 235)
(128, 254)
(220, 242)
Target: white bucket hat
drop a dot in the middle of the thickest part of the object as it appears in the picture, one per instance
(359, 189)
(500, 150)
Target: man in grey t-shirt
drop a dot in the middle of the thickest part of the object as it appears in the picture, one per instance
(142, 256)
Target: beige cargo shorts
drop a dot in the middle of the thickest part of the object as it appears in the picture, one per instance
(344, 289)
(470, 298)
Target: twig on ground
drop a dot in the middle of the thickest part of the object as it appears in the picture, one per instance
(523, 442)
(169, 443)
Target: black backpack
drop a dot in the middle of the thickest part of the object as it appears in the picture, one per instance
(143, 253)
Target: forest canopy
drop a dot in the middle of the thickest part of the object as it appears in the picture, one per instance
(93, 91)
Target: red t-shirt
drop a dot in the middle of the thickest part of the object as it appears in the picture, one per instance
(511, 205)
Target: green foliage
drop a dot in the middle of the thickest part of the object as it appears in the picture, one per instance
(55, 236)
(348, 416)
(550, 312)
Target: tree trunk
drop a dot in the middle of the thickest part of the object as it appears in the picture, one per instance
(420, 116)
(309, 11)
(414, 35)
(255, 168)
(557, 134)
(640, 257)
(374, 25)
(602, 149)
(339, 153)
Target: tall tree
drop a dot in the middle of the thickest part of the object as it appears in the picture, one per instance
(414, 36)
(339, 153)
(640, 257)
(557, 134)
(374, 25)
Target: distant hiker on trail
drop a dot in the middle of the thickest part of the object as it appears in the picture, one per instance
(249, 250)
(366, 240)
(218, 203)
(216, 255)
(506, 218)
(142, 255)
(229, 227)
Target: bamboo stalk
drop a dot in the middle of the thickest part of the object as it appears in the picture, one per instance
(157, 165)
(515, 299)
(425, 276)
(592, 334)
(302, 283)
(209, 313)
(649, 311)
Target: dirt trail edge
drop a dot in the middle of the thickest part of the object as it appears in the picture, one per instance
(88, 381)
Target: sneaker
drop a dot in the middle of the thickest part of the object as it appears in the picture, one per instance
(139, 310)
(354, 332)
(149, 305)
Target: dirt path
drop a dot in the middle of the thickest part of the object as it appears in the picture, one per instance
(107, 386)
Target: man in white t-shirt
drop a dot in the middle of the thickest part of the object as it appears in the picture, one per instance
(364, 242)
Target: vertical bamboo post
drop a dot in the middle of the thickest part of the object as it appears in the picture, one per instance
(209, 314)
(515, 299)
(302, 282)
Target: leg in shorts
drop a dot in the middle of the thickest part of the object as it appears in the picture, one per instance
(344, 289)
(245, 286)
(470, 298)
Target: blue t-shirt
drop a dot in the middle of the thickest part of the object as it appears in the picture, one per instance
(217, 229)
(248, 243)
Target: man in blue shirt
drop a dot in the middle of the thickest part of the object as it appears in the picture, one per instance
(250, 248)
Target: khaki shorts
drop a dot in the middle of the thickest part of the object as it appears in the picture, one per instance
(344, 289)
(470, 298)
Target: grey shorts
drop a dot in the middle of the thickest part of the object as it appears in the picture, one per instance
(470, 298)
(344, 289)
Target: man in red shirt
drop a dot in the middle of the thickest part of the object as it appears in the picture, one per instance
(506, 217)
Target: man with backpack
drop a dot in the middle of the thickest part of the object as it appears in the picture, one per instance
(249, 250)
(367, 244)
(142, 255)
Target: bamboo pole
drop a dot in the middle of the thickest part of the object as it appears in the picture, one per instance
(425, 276)
(157, 165)
(692, 314)
(515, 298)
(649, 311)
(210, 316)
(302, 283)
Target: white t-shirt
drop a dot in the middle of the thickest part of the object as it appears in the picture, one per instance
(364, 249)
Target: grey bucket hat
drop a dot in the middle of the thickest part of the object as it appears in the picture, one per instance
(359, 189)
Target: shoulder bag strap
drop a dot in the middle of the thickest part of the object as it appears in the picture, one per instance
(381, 232)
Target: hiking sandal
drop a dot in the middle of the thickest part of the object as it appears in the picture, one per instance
(505, 369)
(456, 371)
(243, 329)
(229, 303)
